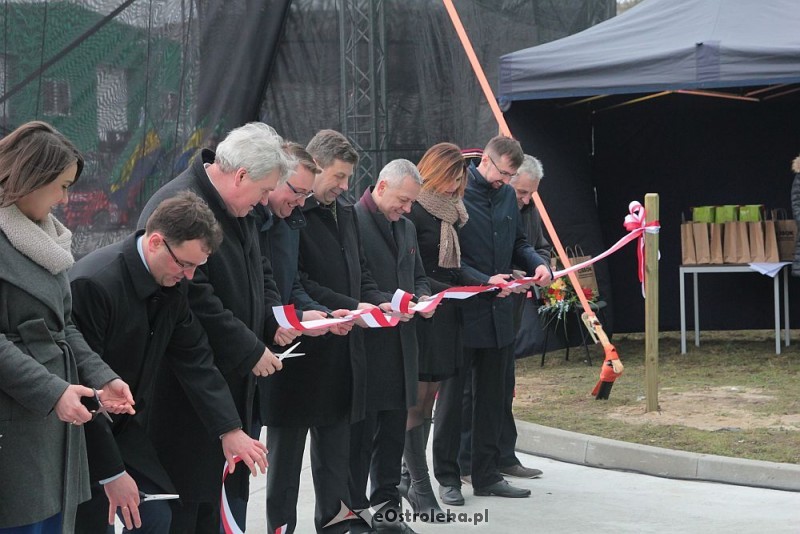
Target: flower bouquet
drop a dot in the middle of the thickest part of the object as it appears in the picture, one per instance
(560, 297)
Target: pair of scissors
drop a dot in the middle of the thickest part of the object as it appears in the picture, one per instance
(289, 353)
(95, 407)
(144, 497)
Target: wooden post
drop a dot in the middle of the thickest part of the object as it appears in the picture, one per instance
(651, 305)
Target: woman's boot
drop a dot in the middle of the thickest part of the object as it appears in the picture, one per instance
(420, 494)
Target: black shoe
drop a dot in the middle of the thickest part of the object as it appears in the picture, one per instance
(501, 489)
(520, 471)
(381, 522)
(425, 505)
(359, 527)
(451, 495)
(398, 527)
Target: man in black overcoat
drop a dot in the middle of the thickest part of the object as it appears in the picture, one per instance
(323, 391)
(231, 295)
(526, 324)
(391, 250)
(491, 241)
(130, 303)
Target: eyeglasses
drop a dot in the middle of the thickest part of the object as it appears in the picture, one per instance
(501, 171)
(299, 194)
(185, 265)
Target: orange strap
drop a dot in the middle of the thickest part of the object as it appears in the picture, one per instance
(501, 122)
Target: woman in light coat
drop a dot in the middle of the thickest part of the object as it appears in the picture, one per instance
(43, 358)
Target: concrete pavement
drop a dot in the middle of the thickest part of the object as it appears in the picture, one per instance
(577, 495)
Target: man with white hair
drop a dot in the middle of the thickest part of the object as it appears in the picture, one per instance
(231, 295)
(376, 442)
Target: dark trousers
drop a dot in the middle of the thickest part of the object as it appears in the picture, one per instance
(376, 451)
(51, 525)
(196, 518)
(508, 432)
(92, 515)
(330, 453)
(487, 368)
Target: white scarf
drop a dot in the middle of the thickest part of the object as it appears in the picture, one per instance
(47, 243)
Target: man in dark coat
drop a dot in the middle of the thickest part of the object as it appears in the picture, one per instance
(491, 241)
(391, 251)
(130, 302)
(279, 226)
(526, 324)
(323, 391)
(230, 295)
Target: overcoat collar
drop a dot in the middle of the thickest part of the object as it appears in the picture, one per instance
(143, 282)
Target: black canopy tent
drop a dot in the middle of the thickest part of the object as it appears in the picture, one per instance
(696, 100)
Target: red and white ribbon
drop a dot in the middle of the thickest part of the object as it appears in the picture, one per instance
(287, 318)
(636, 226)
(635, 223)
(375, 318)
(228, 522)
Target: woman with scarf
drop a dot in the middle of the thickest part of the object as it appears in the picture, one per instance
(43, 358)
(438, 214)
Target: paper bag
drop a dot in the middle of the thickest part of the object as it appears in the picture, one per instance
(755, 234)
(786, 234)
(715, 244)
(586, 276)
(735, 243)
(702, 243)
(688, 255)
(770, 243)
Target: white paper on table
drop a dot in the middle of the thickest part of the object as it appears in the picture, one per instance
(769, 269)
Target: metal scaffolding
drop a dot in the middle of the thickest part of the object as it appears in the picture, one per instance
(362, 34)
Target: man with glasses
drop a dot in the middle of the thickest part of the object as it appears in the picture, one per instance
(130, 302)
(491, 241)
(232, 296)
(322, 392)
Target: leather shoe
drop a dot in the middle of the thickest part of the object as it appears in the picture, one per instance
(501, 489)
(520, 471)
(398, 527)
(451, 495)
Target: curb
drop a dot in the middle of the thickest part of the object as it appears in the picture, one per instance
(592, 451)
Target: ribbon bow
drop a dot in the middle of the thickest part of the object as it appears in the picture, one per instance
(635, 223)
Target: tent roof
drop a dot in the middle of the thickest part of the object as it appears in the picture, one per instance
(664, 45)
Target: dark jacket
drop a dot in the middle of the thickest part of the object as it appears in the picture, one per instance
(532, 224)
(131, 322)
(392, 255)
(796, 211)
(229, 296)
(440, 336)
(280, 243)
(491, 241)
(328, 383)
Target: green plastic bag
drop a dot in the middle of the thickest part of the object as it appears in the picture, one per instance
(703, 214)
(751, 212)
(727, 213)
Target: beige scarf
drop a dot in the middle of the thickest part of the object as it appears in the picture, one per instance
(47, 243)
(452, 212)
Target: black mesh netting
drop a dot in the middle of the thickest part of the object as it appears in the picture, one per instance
(140, 85)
